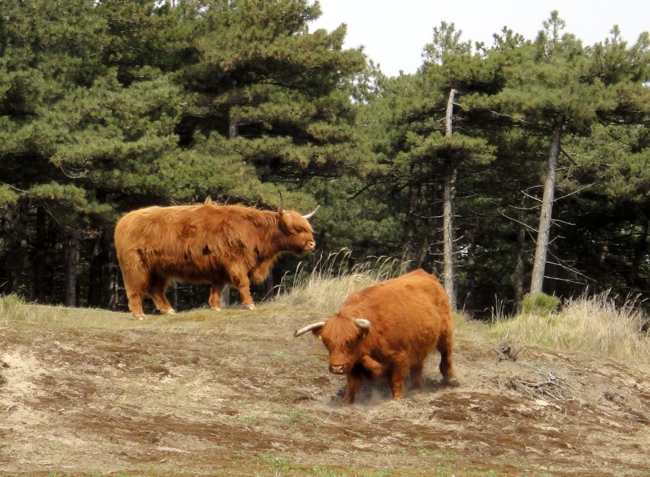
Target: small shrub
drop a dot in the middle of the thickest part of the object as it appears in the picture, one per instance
(11, 308)
(540, 304)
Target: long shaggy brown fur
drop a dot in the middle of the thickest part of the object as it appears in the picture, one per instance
(388, 330)
(207, 243)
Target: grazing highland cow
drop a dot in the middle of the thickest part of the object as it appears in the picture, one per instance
(207, 243)
(387, 330)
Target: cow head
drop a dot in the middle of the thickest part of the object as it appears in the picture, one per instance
(342, 336)
(298, 231)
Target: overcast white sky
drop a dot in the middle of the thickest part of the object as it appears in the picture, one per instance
(394, 32)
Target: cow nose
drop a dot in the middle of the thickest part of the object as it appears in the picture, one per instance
(336, 369)
(311, 245)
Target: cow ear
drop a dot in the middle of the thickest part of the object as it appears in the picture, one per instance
(286, 221)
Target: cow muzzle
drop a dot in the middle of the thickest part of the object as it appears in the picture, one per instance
(337, 369)
(309, 246)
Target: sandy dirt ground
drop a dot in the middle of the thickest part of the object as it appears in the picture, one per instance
(234, 394)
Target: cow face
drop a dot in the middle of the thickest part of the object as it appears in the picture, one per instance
(298, 233)
(343, 338)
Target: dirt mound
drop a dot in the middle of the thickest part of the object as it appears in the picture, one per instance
(234, 393)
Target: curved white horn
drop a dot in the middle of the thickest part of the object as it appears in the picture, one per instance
(311, 214)
(304, 330)
(281, 208)
(362, 323)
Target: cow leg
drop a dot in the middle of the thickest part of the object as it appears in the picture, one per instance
(136, 284)
(135, 303)
(242, 283)
(157, 290)
(215, 296)
(354, 383)
(446, 366)
(375, 368)
(416, 376)
(397, 377)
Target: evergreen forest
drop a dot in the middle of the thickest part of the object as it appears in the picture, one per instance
(518, 167)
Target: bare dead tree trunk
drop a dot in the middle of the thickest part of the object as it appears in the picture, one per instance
(469, 304)
(546, 215)
(448, 212)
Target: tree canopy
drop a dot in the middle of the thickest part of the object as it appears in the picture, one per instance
(514, 167)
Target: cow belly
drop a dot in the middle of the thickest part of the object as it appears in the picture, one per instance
(192, 273)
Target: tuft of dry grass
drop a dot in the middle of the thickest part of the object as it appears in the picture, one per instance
(332, 280)
(593, 325)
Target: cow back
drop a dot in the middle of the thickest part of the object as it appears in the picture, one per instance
(409, 314)
(193, 243)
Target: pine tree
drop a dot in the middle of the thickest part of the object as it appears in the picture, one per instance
(272, 97)
(107, 106)
(435, 145)
(558, 88)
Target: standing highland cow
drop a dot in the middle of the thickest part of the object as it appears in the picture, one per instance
(387, 330)
(207, 243)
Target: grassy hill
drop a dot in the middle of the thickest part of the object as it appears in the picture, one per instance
(87, 392)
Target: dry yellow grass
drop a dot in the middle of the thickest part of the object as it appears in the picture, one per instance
(593, 325)
(94, 392)
(331, 282)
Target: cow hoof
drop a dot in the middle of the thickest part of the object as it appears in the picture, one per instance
(216, 308)
(171, 311)
(250, 307)
(140, 317)
(452, 382)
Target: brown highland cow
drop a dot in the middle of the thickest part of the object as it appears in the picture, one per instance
(209, 243)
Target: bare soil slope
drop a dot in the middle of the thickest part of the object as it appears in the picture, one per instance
(88, 392)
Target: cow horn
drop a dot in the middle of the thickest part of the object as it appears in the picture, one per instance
(281, 209)
(362, 323)
(304, 330)
(311, 214)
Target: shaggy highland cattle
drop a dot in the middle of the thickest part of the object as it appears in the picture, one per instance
(209, 243)
(387, 330)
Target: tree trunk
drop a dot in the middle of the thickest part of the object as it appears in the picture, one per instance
(41, 259)
(448, 212)
(520, 266)
(448, 234)
(409, 239)
(14, 248)
(546, 215)
(174, 295)
(71, 265)
(97, 271)
(469, 304)
(113, 289)
(640, 252)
